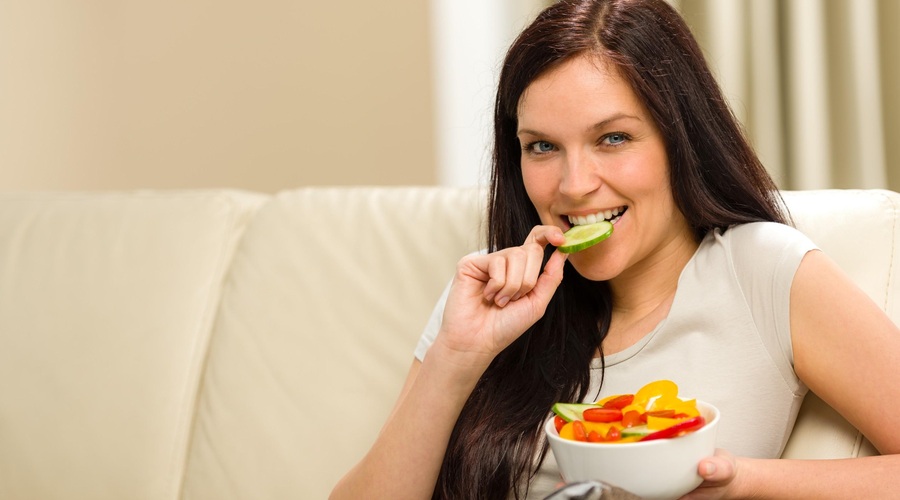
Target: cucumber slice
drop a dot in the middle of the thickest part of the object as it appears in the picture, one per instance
(636, 431)
(572, 411)
(581, 237)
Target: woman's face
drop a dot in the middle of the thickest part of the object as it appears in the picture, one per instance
(591, 151)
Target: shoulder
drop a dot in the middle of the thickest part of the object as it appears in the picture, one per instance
(763, 234)
(758, 242)
(764, 258)
(761, 256)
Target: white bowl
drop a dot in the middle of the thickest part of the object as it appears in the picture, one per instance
(655, 470)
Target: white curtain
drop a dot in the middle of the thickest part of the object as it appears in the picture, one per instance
(469, 39)
(816, 84)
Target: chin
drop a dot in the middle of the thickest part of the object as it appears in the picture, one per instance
(592, 265)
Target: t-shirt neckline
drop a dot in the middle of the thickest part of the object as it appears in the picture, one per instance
(632, 350)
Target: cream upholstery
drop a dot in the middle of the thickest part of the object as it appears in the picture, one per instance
(860, 230)
(106, 308)
(223, 344)
(315, 334)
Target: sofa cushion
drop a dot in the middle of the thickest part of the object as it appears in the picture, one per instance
(859, 229)
(106, 306)
(327, 296)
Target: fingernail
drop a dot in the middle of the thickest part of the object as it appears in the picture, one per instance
(502, 301)
(709, 469)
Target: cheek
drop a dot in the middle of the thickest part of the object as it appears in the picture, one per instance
(540, 193)
(531, 186)
(538, 186)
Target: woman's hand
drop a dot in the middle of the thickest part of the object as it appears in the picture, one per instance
(492, 300)
(495, 297)
(719, 473)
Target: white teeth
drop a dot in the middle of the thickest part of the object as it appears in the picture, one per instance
(610, 215)
(580, 220)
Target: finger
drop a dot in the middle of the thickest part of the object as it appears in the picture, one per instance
(546, 235)
(513, 272)
(516, 262)
(496, 271)
(550, 277)
(533, 264)
(716, 469)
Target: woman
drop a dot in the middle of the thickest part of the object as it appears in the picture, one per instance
(607, 110)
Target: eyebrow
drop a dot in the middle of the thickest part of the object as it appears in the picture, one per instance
(598, 125)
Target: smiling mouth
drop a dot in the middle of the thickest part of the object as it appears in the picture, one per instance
(612, 216)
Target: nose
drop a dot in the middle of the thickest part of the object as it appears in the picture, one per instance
(581, 175)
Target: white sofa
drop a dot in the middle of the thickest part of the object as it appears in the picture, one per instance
(222, 344)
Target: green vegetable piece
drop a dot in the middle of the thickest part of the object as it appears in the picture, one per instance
(580, 237)
(572, 411)
(636, 431)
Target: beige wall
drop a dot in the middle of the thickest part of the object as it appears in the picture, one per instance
(259, 95)
(274, 94)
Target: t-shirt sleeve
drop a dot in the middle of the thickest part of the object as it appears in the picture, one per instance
(432, 326)
(766, 257)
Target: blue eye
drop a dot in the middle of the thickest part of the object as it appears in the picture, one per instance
(616, 138)
(540, 147)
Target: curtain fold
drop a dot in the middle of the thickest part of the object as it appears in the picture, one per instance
(889, 44)
(814, 82)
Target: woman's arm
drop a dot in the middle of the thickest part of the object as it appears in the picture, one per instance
(407, 455)
(493, 299)
(846, 350)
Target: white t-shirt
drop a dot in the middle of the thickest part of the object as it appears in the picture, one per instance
(726, 340)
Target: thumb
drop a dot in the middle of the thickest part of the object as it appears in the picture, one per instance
(551, 276)
(716, 469)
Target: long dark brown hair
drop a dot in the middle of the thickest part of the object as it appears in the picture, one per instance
(716, 179)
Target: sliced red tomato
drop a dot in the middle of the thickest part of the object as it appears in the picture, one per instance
(602, 415)
(631, 418)
(580, 433)
(613, 434)
(619, 402)
(558, 422)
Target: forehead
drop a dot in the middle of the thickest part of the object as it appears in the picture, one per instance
(584, 88)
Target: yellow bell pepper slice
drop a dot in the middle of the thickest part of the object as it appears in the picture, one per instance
(658, 389)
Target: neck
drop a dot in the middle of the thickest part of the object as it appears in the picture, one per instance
(652, 285)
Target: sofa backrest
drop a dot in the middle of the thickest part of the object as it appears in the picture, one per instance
(326, 298)
(221, 344)
(106, 308)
